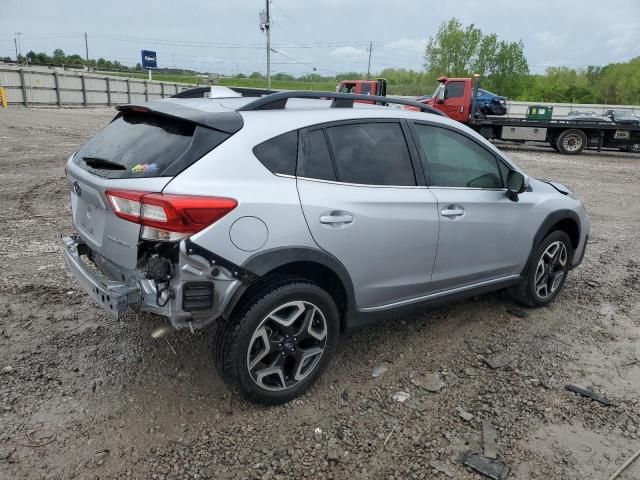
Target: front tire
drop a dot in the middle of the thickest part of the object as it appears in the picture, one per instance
(274, 347)
(546, 271)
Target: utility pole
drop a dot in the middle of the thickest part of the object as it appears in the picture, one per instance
(369, 65)
(265, 26)
(86, 46)
(18, 45)
(268, 28)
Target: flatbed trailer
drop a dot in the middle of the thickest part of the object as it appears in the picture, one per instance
(456, 98)
(566, 136)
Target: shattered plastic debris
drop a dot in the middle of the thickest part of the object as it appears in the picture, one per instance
(487, 466)
(430, 382)
(588, 393)
(379, 370)
(401, 397)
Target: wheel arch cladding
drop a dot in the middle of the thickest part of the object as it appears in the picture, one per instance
(312, 264)
(565, 220)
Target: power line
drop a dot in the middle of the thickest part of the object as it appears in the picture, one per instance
(302, 63)
(296, 23)
(402, 49)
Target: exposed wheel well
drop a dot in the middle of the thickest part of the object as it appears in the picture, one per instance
(570, 227)
(322, 276)
(317, 273)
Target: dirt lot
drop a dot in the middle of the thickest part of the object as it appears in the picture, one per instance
(83, 396)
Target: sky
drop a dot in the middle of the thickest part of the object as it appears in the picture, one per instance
(325, 36)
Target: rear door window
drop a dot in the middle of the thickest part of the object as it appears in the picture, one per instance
(371, 154)
(317, 159)
(279, 154)
(139, 144)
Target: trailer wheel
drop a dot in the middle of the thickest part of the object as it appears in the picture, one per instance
(571, 142)
(634, 147)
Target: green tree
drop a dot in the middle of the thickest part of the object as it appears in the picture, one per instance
(459, 51)
(507, 72)
(454, 49)
(58, 56)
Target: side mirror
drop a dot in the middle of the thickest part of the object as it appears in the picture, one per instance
(516, 184)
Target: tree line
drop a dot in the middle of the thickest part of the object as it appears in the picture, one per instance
(462, 51)
(456, 51)
(75, 60)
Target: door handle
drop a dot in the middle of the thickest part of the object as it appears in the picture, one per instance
(329, 219)
(452, 211)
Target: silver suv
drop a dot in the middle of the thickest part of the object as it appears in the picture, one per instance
(291, 217)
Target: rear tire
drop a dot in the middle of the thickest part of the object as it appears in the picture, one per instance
(571, 142)
(546, 271)
(276, 345)
(634, 148)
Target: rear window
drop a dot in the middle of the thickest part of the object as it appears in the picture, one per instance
(279, 154)
(138, 145)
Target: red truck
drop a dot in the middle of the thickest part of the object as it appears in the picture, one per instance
(364, 87)
(456, 97)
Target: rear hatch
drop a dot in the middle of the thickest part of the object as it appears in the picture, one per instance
(141, 150)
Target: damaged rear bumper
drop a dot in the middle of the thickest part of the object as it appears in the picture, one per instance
(114, 297)
(194, 296)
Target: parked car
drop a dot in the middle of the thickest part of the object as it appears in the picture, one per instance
(623, 116)
(588, 116)
(490, 103)
(289, 222)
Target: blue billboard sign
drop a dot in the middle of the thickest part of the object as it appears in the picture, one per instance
(149, 60)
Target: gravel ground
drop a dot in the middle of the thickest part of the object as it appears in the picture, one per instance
(83, 396)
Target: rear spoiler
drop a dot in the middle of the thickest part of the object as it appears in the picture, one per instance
(228, 122)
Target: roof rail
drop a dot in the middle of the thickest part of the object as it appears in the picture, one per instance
(277, 101)
(200, 92)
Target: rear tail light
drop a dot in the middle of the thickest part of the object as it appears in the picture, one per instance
(168, 217)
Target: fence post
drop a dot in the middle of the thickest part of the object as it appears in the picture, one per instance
(108, 91)
(162, 89)
(146, 91)
(56, 81)
(176, 88)
(24, 88)
(128, 91)
(84, 91)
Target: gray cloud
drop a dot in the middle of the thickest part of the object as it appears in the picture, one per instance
(329, 35)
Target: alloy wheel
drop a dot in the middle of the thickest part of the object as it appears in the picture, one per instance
(287, 345)
(551, 269)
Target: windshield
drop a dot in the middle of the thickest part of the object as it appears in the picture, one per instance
(437, 91)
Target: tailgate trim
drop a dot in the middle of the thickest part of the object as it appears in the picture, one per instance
(114, 297)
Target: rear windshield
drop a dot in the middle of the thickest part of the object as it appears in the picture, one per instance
(138, 144)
